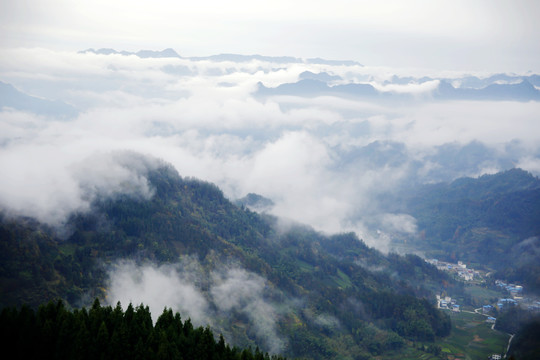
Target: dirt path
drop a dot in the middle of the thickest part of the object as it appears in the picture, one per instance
(508, 347)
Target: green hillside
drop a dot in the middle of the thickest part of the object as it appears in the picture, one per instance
(331, 304)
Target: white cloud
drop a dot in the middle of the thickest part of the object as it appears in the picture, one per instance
(530, 164)
(425, 88)
(464, 121)
(312, 156)
(179, 286)
(402, 223)
(239, 290)
(157, 287)
(327, 321)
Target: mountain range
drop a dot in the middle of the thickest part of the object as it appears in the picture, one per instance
(170, 53)
(495, 87)
(313, 86)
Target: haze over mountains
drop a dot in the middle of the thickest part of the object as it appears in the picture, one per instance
(281, 127)
(100, 151)
(267, 169)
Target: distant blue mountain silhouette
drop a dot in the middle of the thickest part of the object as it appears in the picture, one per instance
(523, 91)
(10, 97)
(170, 53)
(311, 86)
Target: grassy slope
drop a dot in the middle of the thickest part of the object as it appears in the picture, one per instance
(472, 338)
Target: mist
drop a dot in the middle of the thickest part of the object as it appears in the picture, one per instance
(207, 297)
(158, 287)
(323, 160)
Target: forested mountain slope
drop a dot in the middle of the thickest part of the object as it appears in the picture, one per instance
(491, 221)
(332, 296)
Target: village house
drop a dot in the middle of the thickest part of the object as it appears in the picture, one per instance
(504, 303)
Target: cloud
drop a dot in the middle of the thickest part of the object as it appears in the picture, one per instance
(414, 88)
(242, 291)
(327, 321)
(157, 287)
(324, 161)
(181, 286)
(530, 164)
(48, 184)
(492, 123)
(403, 223)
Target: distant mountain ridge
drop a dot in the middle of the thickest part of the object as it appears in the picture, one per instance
(170, 53)
(497, 87)
(312, 85)
(523, 91)
(166, 53)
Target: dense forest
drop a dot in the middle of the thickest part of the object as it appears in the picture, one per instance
(104, 332)
(377, 303)
(526, 343)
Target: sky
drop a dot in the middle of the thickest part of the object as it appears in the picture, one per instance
(482, 35)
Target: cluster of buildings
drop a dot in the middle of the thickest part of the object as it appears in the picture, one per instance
(460, 269)
(514, 290)
(447, 303)
(505, 303)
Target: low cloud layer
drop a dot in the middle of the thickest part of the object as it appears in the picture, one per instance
(45, 183)
(159, 287)
(180, 286)
(323, 160)
(243, 291)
